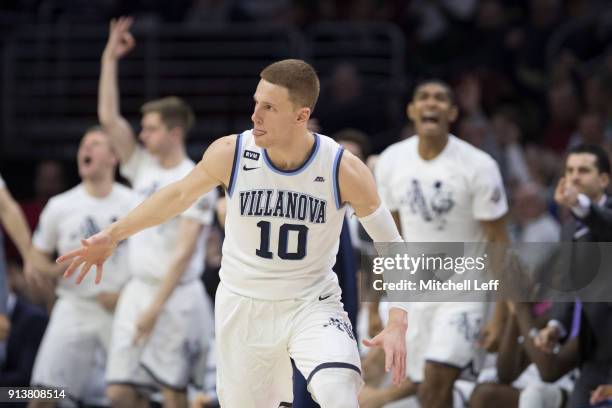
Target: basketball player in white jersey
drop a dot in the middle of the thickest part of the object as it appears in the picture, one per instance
(81, 319)
(164, 321)
(278, 298)
(444, 190)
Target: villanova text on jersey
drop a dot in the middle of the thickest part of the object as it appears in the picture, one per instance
(283, 204)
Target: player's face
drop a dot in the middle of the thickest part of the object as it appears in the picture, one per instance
(155, 135)
(95, 156)
(275, 115)
(581, 172)
(432, 110)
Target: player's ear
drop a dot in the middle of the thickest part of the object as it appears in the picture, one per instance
(176, 132)
(303, 115)
(604, 180)
(114, 159)
(453, 114)
(411, 112)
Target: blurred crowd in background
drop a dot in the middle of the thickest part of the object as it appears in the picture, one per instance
(532, 78)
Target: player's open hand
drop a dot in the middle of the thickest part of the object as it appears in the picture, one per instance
(120, 40)
(393, 341)
(93, 252)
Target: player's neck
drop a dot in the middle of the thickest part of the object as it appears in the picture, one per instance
(294, 153)
(173, 157)
(99, 188)
(430, 147)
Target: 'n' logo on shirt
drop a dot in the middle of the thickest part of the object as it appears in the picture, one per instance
(433, 208)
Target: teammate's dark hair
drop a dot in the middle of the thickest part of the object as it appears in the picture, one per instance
(602, 161)
(435, 81)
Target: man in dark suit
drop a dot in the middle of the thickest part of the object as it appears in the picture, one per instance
(582, 190)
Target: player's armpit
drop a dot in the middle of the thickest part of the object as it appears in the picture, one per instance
(357, 185)
(217, 161)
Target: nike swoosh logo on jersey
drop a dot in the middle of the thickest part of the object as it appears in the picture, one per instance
(245, 168)
(324, 297)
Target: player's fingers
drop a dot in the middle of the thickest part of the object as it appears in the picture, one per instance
(84, 271)
(69, 255)
(397, 366)
(375, 342)
(597, 395)
(98, 272)
(128, 39)
(126, 22)
(388, 359)
(73, 267)
(561, 183)
(395, 374)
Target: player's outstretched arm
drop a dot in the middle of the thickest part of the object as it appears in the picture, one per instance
(121, 134)
(358, 188)
(214, 169)
(14, 223)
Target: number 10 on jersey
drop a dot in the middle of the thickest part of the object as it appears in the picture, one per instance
(283, 241)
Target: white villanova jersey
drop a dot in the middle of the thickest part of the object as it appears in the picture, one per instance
(283, 226)
(443, 199)
(152, 249)
(74, 215)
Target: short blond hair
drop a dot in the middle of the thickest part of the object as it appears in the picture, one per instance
(298, 77)
(174, 112)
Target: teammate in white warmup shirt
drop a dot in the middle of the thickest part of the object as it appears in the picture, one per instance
(443, 190)
(278, 296)
(82, 316)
